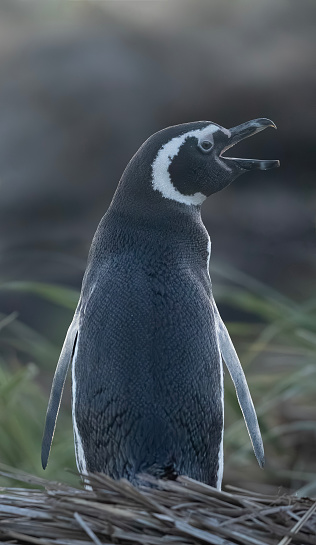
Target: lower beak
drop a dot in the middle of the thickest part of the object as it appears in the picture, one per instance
(239, 133)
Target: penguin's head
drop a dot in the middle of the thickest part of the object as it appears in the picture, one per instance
(187, 161)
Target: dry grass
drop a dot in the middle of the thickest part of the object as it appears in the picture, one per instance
(184, 512)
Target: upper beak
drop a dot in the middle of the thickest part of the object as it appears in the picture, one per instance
(244, 131)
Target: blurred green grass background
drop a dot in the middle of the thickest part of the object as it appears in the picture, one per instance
(276, 344)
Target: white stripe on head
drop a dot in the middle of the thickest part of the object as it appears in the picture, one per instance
(161, 179)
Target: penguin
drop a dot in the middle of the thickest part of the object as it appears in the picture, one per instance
(147, 343)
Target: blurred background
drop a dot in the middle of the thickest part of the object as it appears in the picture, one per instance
(82, 85)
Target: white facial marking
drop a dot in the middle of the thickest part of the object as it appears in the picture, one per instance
(221, 447)
(226, 131)
(161, 179)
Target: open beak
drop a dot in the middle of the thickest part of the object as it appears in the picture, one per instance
(244, 131)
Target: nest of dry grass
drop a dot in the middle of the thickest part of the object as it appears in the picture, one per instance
(182, 512)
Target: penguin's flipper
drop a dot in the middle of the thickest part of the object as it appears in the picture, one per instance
(237, 374)
(57, 388)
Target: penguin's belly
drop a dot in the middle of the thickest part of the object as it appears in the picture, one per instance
(147, 379)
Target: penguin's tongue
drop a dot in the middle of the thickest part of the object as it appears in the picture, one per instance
(259, 164)
(239, 133)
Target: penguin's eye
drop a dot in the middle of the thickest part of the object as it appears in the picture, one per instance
(206, 145)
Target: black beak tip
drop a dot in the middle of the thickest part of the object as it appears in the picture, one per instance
(267, 165)
(264, 123)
